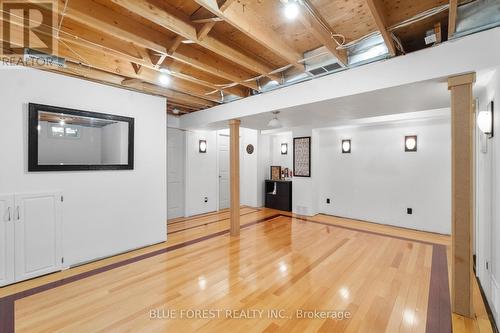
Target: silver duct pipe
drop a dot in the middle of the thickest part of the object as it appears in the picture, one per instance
(477, 16)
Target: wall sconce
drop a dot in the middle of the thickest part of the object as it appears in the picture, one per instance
(485, 121)
(411, 143)
(202, 146)
(346, 146)
(284, 148)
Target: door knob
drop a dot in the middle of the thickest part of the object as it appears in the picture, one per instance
(18, 214)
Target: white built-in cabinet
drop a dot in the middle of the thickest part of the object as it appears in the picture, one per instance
(30, 235)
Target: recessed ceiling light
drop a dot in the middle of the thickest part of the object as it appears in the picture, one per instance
(291, 10)
(164, 79)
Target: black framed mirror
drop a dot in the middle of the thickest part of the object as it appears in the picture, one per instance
(61, 139)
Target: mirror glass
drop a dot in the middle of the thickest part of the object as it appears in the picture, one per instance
(67, 139)
(72, 140)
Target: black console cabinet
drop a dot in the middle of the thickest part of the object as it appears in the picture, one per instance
(279, 194)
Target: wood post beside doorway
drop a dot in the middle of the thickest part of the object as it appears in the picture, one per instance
(462, 129)
(234, 170)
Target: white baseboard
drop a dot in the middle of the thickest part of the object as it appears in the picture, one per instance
(495, 298)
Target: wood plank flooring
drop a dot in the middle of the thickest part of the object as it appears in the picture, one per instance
(282, 265)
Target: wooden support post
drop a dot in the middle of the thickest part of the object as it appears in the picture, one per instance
(234, 166)
(463, 127)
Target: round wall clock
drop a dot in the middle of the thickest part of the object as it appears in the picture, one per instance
(250, 149)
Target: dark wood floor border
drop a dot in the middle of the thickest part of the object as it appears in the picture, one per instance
(204, 224)
(439, 304)
(7, 315)
(439, 308)
(305, 219)
(209, 214)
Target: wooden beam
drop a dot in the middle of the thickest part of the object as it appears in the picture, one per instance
(127, 82)
(462, 133)
(452, 18)
(204, 16)
(164, 16)
(378, 13)
(205, 29)
(175, 44)
(234, 169)
(224, 4)
(321, 34)
(213, 65)
(437, 31)
(251, 24)
(101, 18)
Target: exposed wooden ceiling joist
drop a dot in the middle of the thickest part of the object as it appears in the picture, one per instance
(378, 13)
(250, 24)
(96, 75)
(310, 21)
(180, 24)
(452, 18)
(101, 18)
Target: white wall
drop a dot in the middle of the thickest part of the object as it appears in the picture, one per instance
(285, 161)
(378, 181)
(487, 201)
(104, 212)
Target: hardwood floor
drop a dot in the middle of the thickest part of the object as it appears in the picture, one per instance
(282, 265)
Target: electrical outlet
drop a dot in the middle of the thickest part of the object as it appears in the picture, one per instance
(328, 200)
(409, 211)
(206, 199)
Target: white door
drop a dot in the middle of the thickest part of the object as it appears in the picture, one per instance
(6, 239)
(223, 143)
(484, 211)
(37, 234)
(175, 173)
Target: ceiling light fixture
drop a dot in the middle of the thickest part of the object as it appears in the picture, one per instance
(176, 111)
(165, 70)
(275, 122)
(291, 9)
(164, 79)
(62, 122)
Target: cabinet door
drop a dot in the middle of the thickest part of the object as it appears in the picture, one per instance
(6, 239)
(37, 234)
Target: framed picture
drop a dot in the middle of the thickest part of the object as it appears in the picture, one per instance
(302, 156)
(275, 172)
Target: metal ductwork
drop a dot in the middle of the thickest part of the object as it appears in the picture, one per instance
(477, 16)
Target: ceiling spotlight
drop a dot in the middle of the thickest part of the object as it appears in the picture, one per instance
(176, 111)
(292, 10)
(165, 70)
(275, 122)
(62, 122)
(164, 79)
